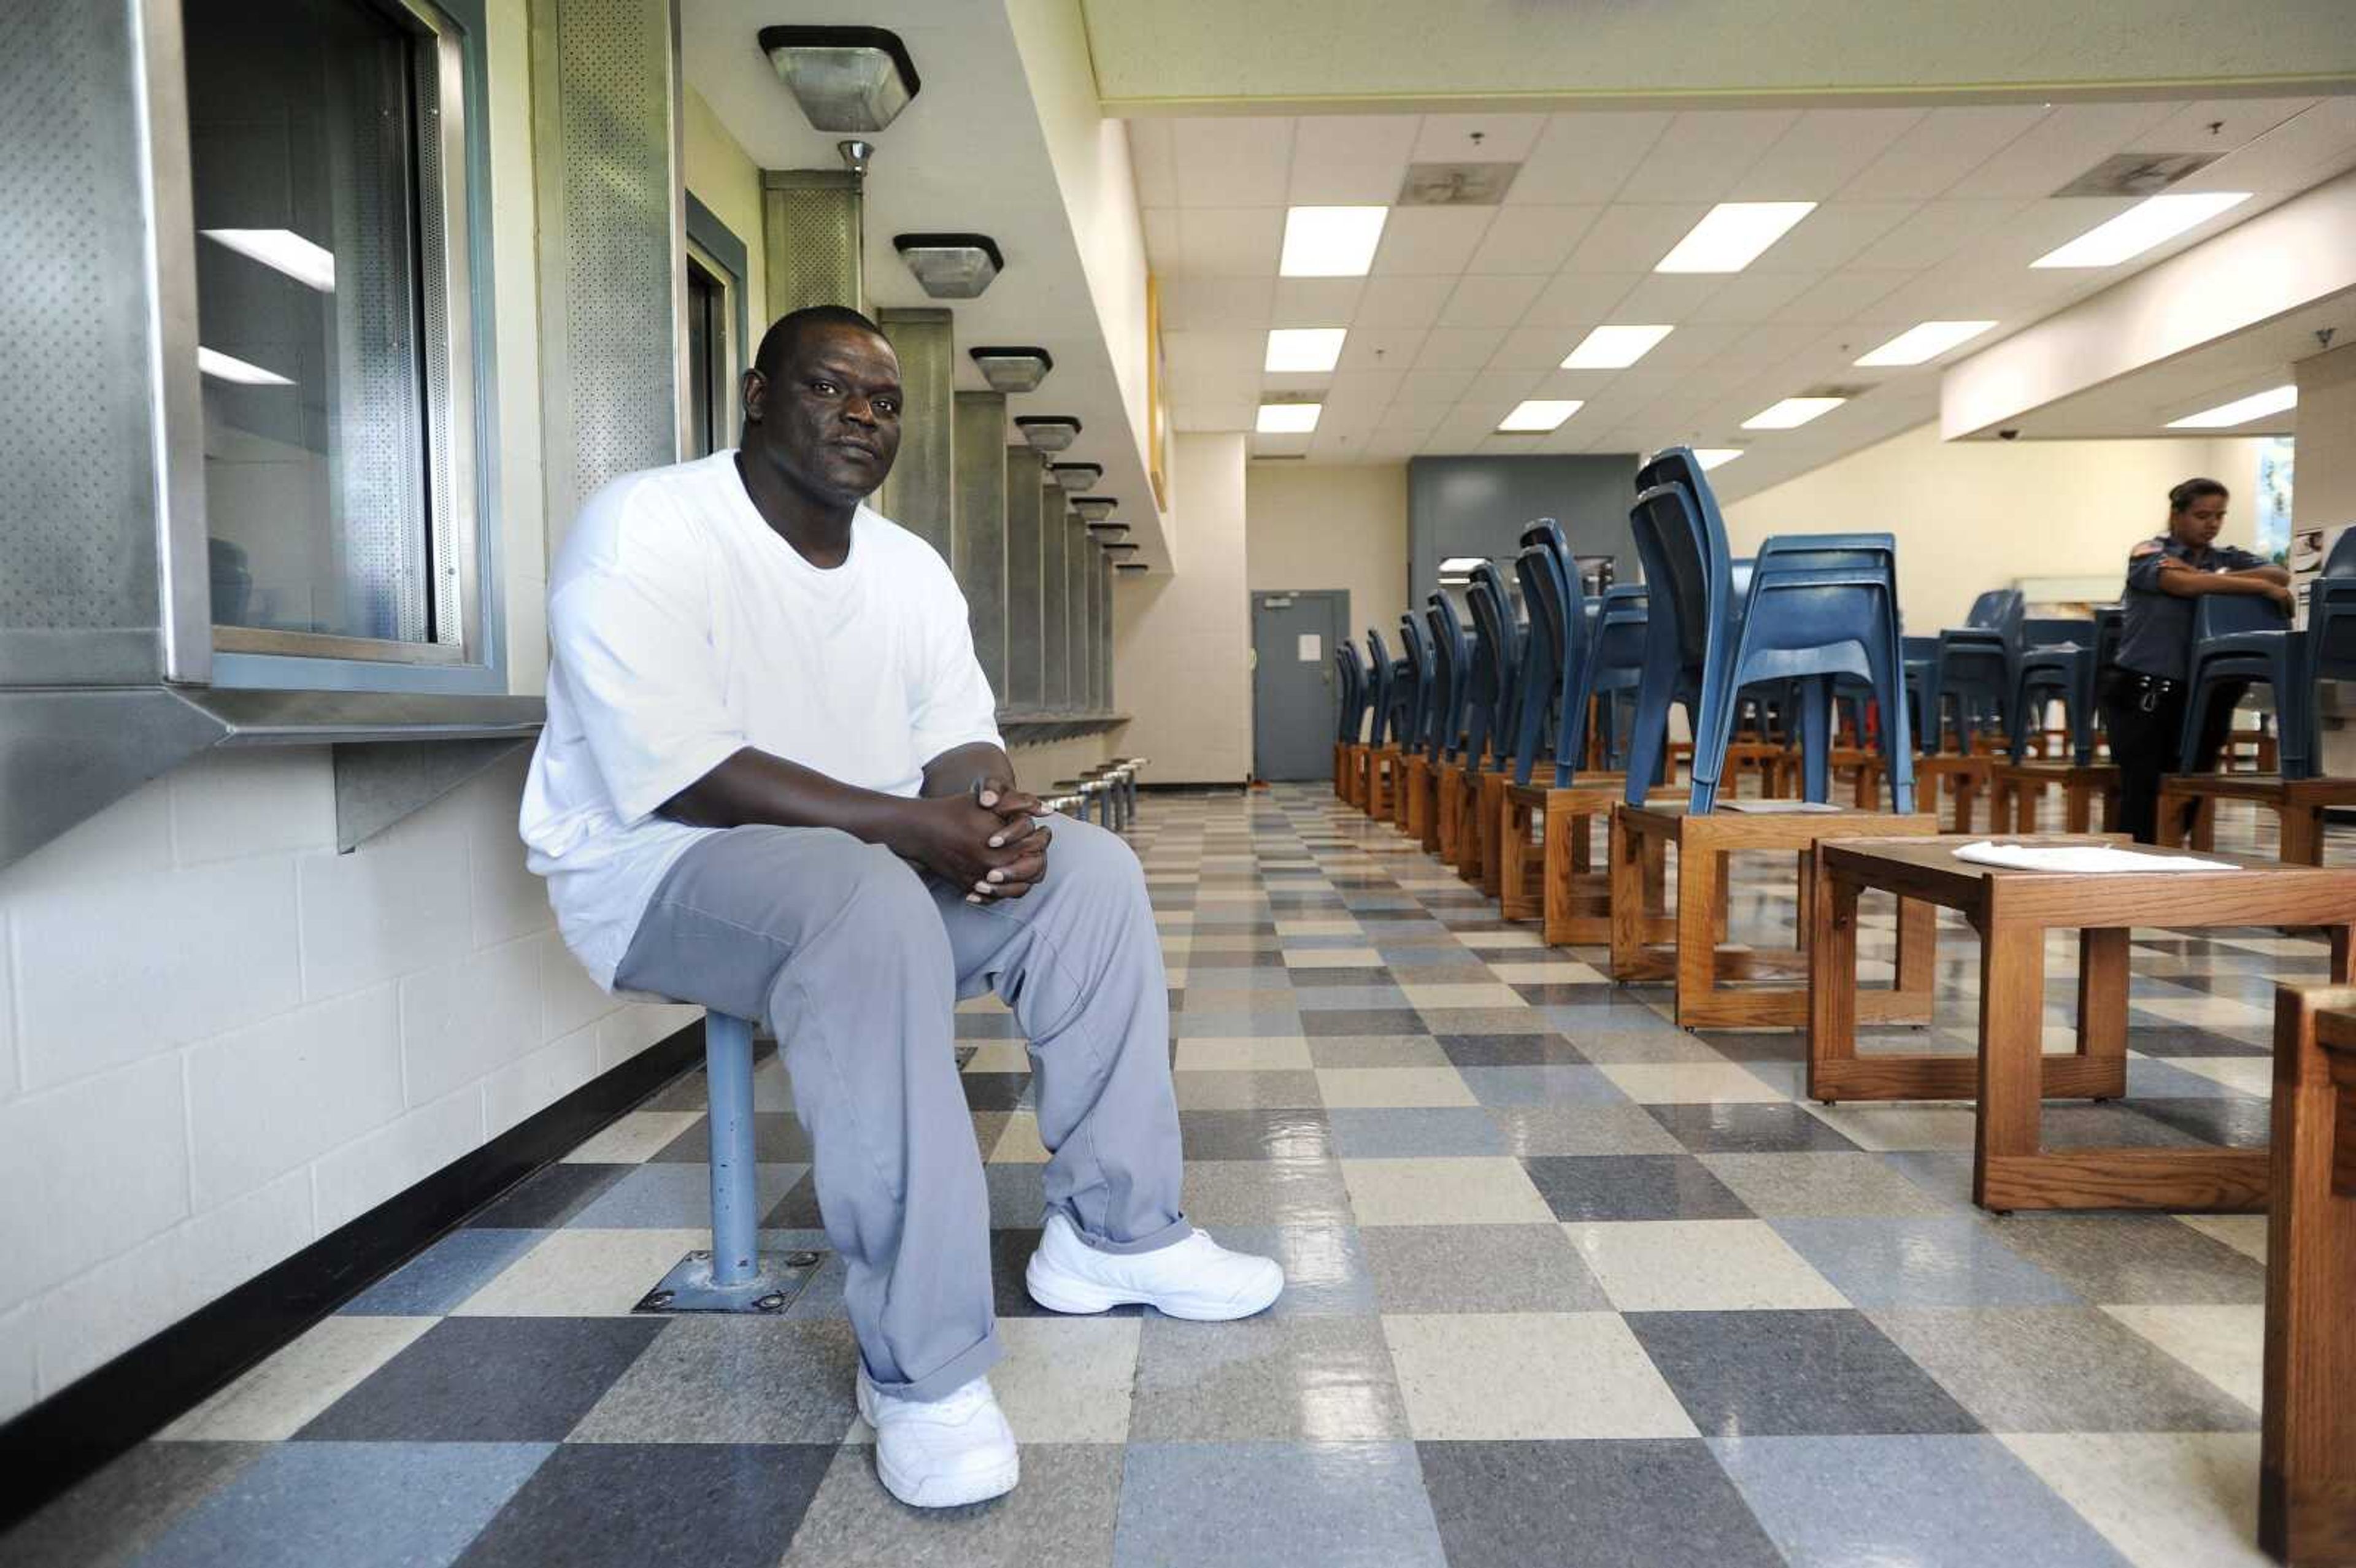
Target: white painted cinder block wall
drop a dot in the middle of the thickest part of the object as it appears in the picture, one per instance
(1182, 639)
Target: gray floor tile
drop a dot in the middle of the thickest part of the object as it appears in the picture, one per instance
(1274, 1505)
(1954, 1260)
(1246, 1090)
(445, 1274)
(1733, 1128)
(2124, 1258)
(1478, 1268)
(1778, 1373)
(1581, 1129)
(2060, 1369)
(1314, 1379)
(722, 1378)
(1551, 1085)
(1277, 1133)
(1061, 1515)
(1325, 1271)
(1823, 1185)
(1631, 1187)
(624, 1505)
(673, 1197)
(488, 1380)
(1386, 1132)
(113, 1516)
(1657, 1501)
(1266, 1193)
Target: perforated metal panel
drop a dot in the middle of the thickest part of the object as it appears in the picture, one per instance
(811, 220)
(977, 526)
(919, 495)
(1025, 666)
(1054, 603)
(607, 165)
(78, 535)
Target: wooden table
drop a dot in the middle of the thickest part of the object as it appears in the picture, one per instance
(2297, 804)
(2012, 910)
(1968, 775)
(1418, 813)
(2306, 1475)
(2016, 788)
(1552, 876)
(1695, 959)
(1382, 765)
(1350, 772)
(1448, 806)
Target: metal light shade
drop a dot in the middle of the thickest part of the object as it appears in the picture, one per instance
(845, 78)
(1130, 566)
(1075, 476)
(1013, 369)
(1118, 549)
(1048, 433)
(951, 266)
(1096, 509)
(1106, 532)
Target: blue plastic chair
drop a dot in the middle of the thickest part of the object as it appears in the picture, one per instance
(1616, 667)
(1691, 604)
(1385, 677)
(1417, 652)
(2331, 621)
(1975, 667)
(1922, 690)
(2064, 660)
(1554, 657)
(1497, 655)
(2238, 638)
(1452, 662)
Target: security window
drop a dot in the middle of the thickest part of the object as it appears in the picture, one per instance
(710, 392)
(327, 162)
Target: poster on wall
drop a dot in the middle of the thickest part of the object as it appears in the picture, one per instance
(2275, 453)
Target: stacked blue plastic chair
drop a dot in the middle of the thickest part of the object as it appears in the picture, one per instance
(1616, 666)
(1922, 690)
(1498, 653)
(1383, 673)
(1451, 650)
(2240, 637)
(1691, 602)
(1417, 654)
(1976, 665)
(2063, 660)
(1349, 713)
(2331, 621)
(1555, 660)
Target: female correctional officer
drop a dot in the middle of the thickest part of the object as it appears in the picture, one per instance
(2143, 691)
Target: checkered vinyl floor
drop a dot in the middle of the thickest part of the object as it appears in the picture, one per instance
(1568, 1285)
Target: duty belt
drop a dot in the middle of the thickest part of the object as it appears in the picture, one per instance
(2148, 691)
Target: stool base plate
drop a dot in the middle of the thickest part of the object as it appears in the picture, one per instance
(777, 1278)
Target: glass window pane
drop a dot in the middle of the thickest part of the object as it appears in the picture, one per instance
(705, 345)
(313, 301)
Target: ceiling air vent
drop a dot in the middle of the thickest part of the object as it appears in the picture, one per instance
(2137, 174)
(1855, 389)
(1457, 185)
(1279, 457)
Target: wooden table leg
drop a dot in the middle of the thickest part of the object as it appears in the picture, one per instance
(2204, 823)
(1968, 790)
(1918, 951)
(1491, 812)
(1700, 909)
(1832, 980)
(2078, 806)
(2302, 835)
(1630, 890)
(2012, 1031)
(2102, 1002)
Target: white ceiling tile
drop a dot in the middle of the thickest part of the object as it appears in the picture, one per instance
(1753, 296)
(1215, 386)
(1531, 239)
(1459, 348)
(1504, 138)
(1213, 416)
(1164, 253)
(1274, 381)
(1153, 158)
(1936, 230)
(1585, 157)
(1696, 343)
(2293, 155)
(1704, 152)
(1763, 347)
(1490, 302)
(1209, 303)
(2219, 124)
(1820, 152)
(2007, 249)
(1503, 388)
(1403, 302)
(1366, 391)
(1628, 238)
(1421, 387)
(1350, 160)
(1415, 418)
(1670, 297)
(1580, 299)
(1943, 147)
(1316, 302)
(1233, 162)
(1423, 241)
(1534, 348)
(2059, 148)
(1279, 446)
(1842, 296)
(1371, 348)
(1230, 241)
(1833, 234)
(1213, 352)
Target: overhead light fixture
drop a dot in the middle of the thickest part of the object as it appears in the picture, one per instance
(1013, 369)
(1288, 418)
(1536, 415)
(845, 78)
(2241, 411)
(1711, 457)
(1109, 530)
(1732, 235)
(284, 251)
(1458, 569)
(1309, 350)
(1614, 347)
(223, 367)
(951, 266)
(2149, 222)
(1130, 566)
(1076, 476)
(1331, 241)
(1118, 549)
(1792, 413)
(1048, 433)
(1926, 341)
(1095, 508)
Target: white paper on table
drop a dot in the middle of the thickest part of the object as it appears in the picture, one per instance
(1777, 808)
(1313, 646)
(2082, 858)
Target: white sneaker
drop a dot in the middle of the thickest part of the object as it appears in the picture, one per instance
(1197, 1278)
(940, 1452)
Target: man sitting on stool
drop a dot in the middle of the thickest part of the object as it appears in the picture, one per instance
(772, 783)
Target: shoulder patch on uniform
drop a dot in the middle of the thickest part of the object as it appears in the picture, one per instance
(2148, 548)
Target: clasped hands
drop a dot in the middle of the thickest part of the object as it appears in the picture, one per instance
(985, 840)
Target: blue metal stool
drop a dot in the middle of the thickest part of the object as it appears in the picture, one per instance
(734, 1275)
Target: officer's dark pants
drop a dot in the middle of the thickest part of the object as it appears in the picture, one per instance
(2145, 728)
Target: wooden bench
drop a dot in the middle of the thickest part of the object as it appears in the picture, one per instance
(2298, 806)
(2016, 789)
(2012, 910)
(1419, 810)
(1696, 962)
(1350, 772)
(2306, 1475)
(1962, 779)
(1383, 768)
(1546, 845)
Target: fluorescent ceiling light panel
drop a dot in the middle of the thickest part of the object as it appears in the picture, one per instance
(1463, 565)
(1711, 457)
(2241, 411)
(228, 368)
(1732, 235)
(1539, 413)
(1331, 241)
(1614, 347)
(284, 251)
(1792, 413)
(1288, 418)
(1304, 349)
(2149, 222)
(1927, 341)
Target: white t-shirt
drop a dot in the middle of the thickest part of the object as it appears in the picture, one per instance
(683, 629)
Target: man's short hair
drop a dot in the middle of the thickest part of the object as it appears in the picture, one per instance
(784, 337)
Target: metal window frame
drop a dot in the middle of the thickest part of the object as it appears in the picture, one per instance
(461, 419)
(714, 247)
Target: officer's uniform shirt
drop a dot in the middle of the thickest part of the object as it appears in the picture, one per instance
(2156, 633)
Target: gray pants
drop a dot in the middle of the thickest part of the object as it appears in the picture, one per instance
(855, 961)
